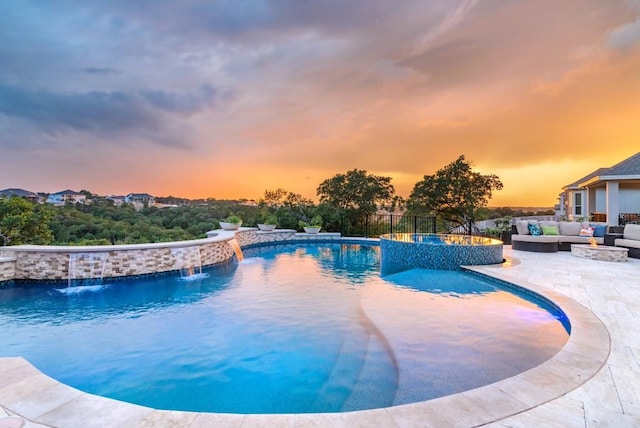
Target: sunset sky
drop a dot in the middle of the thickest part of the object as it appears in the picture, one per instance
(229, 98)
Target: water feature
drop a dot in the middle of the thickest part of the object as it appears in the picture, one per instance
(86, 269)
(236, 249)
(404, 251)
(301, 328)
(187, 260)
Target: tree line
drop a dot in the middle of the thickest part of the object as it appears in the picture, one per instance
(455, 194)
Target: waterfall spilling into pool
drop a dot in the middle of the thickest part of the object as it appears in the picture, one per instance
(86, 269)
(187, 260)
(236, 249)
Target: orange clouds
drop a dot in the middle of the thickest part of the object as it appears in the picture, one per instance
(539, 93)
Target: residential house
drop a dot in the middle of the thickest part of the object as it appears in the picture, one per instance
(61, 198)
(607, 194)
(117, 200)
(21, 193)
(140, 200)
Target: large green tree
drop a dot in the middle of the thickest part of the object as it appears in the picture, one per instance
(455, 193)
(288, 207)
(358, 192)
(24, 222)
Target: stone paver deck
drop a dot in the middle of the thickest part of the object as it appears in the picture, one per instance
(557, 389)
(612, 292)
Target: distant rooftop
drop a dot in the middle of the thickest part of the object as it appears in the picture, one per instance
(7, 193)
(67, 192)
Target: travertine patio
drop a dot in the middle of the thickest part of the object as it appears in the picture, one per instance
(610, 398)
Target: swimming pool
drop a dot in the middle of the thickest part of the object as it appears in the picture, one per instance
(293, 329)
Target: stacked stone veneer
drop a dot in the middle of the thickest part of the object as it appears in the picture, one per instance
(250, 237)
(7, 268)
(51, 263)
(607, 254)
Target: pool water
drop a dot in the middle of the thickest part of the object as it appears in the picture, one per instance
(291, 329)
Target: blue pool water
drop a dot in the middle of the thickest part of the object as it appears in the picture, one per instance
(292, 329)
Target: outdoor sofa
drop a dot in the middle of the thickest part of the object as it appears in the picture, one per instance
(554, 236)
(630, 239)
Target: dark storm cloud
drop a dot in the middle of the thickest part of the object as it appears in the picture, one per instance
(84, 111)
(184, 103)
(236, 17)
(101, 70)
(100, 111)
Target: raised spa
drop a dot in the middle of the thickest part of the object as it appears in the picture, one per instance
(403, 251)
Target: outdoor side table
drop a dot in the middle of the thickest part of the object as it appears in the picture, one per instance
(610, 238)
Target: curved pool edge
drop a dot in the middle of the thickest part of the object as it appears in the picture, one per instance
(40, 399)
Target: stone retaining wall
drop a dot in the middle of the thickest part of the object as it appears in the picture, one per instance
(56, 263)
(253, 236)
(48, 263)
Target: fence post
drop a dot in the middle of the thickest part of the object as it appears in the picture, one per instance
(366, 226)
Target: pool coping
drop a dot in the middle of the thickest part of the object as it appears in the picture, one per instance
(40, 399)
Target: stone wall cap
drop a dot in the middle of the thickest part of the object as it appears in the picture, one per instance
(124, 247)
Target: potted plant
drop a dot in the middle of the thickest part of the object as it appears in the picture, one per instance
(231, 223)
(312, 226)
(502, 229)
(269, 223)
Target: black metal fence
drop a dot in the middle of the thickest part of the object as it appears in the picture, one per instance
(372, 226)
(628, 218)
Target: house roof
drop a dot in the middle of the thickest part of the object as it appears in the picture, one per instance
(139, 195)
(598, 172)
(628, 169)
(67, 192)
(18, 192)
(629, 166)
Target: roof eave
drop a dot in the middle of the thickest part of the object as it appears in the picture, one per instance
(596, 180)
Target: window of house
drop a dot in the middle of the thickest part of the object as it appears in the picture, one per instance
(577, 203)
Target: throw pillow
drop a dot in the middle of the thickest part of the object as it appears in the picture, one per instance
(587, 231)
(599, 230)
(534, 229)
(550, 230)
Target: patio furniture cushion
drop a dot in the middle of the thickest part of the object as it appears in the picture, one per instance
(550, 230)
(629, 243)
(522, 226)
(531, 238)
(631, 231)
(580, 240)
(569, 228)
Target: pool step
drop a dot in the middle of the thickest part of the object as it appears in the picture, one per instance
(377, 383)
(345, 372)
